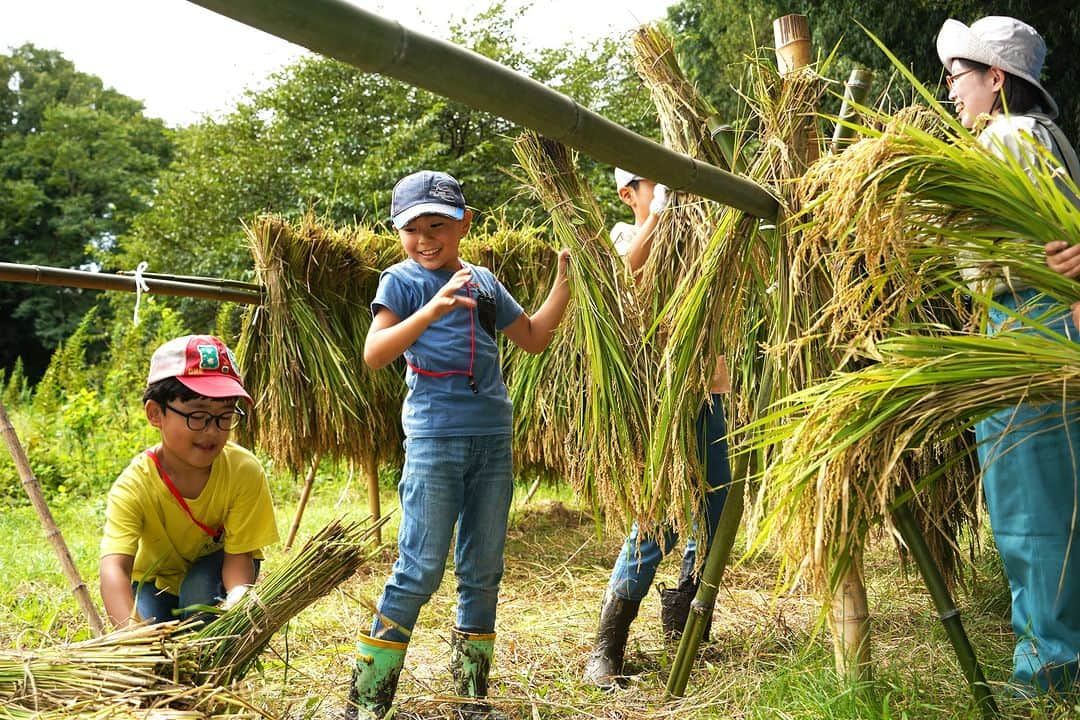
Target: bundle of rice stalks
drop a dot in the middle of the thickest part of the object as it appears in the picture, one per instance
(923, 392)
(135, 664)
(611, 368)
(302, 349)
(224, 649)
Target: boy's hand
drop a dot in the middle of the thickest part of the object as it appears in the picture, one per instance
(447, 298)
(1063, 258)
(660, 197)
(564, 266)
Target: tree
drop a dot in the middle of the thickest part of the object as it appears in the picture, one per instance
(712, 35)
(77, 163)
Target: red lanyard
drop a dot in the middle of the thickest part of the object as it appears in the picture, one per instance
(216, 534)
(472, 354)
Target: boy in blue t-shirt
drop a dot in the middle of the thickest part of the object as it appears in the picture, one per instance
(442, 315)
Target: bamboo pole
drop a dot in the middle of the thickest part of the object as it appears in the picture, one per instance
(947, 611)
(856, 89)
(716, 559)
(849, 621)
(337, 29)
(44, 275)
(302, 504)
(52, 532)
(371, 468)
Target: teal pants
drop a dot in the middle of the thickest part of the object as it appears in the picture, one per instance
(1030, 455)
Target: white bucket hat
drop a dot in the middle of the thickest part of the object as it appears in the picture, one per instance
(1001, 42)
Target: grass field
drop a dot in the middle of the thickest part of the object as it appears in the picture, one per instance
(765, 660)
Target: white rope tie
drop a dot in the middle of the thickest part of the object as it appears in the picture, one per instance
(140, 288)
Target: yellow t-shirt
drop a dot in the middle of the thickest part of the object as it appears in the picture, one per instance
(144, 520)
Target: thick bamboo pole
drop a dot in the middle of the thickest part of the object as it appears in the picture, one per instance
(339, 30)
(856, 89)
(716, 559)
(947, 611)
(44, 275)
(849, 621)
(37, 498)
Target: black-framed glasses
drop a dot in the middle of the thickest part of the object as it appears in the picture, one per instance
(200, 419)
(950, 79)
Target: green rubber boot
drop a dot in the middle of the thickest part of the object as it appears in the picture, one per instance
(470, 663)
(375, 678)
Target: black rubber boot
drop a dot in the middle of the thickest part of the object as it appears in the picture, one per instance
(605, 664)
(675, 604)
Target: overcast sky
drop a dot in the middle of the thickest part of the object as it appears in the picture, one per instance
(184, 61)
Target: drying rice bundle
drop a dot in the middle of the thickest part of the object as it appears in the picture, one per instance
(610, 372)
(924, 391)
(225, 648)
(302, 349)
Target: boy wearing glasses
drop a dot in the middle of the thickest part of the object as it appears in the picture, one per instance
(187, 519)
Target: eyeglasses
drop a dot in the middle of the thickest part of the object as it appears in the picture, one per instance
(950, 79)
(200, 419)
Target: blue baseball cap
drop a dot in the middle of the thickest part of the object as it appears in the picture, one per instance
(427, 192)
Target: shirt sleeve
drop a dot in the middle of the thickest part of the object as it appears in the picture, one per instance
(250, 524)
(507, 309)
(123, 521)
(394, 295)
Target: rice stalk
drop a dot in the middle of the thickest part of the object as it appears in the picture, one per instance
(225, 648)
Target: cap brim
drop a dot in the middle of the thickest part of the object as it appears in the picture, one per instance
(215, 386)
(406, 216)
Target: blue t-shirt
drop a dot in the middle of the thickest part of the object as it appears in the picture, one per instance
(447, 406)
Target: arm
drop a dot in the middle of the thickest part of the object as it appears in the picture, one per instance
(237, 570)
(116, 590)
(389, 335)
(533, 334)
(641, 245)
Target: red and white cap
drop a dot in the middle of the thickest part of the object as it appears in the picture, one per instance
(201, 362)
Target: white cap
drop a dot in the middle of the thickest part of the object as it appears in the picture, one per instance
(1001, 42)
(624, 178)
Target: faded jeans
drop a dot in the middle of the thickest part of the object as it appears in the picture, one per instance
(636, 565)
(202, 586)
(448, 481)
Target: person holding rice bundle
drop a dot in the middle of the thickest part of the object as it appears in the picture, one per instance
(442, 314)
(635, 568)
(1028, 453)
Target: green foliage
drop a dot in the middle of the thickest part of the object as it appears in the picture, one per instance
(714, 35)
(84, 421)
(328, 137)
(77, 163)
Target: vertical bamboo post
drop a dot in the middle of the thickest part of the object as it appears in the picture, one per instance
(304, 495)
(849, 620)
(37, 498)
(716, 558)
(856, 89)
(371, 469)
(791, 34)
(947, 612)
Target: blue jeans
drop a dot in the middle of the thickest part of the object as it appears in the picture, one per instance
(636, 565)
(202, 586)
(467, 481)
(1028, 454)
